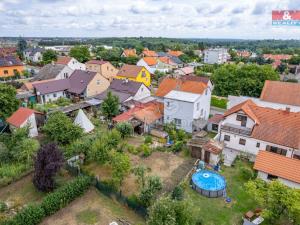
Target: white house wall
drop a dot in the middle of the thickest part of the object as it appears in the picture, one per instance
(231, 119)
(31, 122)
(54, 96)
(75, 65)
(264, 176)
(64, 73)
(143, 92)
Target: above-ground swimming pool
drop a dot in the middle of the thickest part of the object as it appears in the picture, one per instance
(209, 183)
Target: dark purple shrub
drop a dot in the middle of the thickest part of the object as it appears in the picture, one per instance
(48, 162)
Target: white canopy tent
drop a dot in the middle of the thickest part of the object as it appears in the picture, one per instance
(84, 122)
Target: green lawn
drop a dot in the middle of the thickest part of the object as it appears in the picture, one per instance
(214, 211)
(219, 102)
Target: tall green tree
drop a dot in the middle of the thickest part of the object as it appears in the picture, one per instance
(60, 128)
(276, 199)
(49, 56)
(121, 167)
(110, 106)
(245, 80)
(81, 53)
(21, 46)
(166, 211)
(8, 101)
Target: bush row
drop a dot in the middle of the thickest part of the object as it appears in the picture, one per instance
(33, 214)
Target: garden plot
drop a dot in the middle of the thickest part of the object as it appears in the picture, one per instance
(93, 208)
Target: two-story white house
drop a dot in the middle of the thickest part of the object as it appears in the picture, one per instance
(186, 103)
(34, 54)
(247, 128)
(73, 63)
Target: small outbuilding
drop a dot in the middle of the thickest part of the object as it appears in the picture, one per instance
(26, 117)
(83, 121)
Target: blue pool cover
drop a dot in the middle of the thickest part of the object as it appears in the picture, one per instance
(209, 180)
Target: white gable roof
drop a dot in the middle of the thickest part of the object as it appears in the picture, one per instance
(84, 122)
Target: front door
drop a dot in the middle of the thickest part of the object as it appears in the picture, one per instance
(206, 156)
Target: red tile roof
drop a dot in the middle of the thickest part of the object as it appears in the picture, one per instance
(64, 60)
(151, 61)
(216, 118)
(131, 71)
(167, 60)
(281, 92)
(272, 125)
(20, 116)
(213, 147)
(130, 52)
(278, 165)
(175, 53)
(149, 53)
(169, 84)
(277, 57)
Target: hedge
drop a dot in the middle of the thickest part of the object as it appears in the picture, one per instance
(34, 214)
(219, 102)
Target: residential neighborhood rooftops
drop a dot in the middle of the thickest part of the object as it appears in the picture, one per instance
(20, 116)
(10, 61)
(79, 80)
(34, 50)
(49, 71)
(182, 96)
(281, 92)
(98, 62)
(277, 57)
(278, 165)
(29, 85)
(51, 86)
(152, 112)
(193, 77)
(151, 61)
(169, 84)
(272, 125)
(121, 95)
(64, 60)
(131, 71)
(150, 53)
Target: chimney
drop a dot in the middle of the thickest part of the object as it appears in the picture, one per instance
(287, 109)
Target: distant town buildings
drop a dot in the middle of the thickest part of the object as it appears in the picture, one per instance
(216, 56)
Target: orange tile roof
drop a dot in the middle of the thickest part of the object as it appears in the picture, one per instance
(150, 113)
(20, 116)
(281, 92)
(151, 61)
(272, 125)
(64, 60)
(278, 165)
(277, 57)
(245, 107)
(166, 60)
(130, 52)
(169, 84)
(149, 53)
(175, 53)
(131, 71)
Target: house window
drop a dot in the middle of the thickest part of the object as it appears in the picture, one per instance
(198, 106)
(142, 89)
(215, 127)
(143, 74)
(242, 141)
(276, 150)
(98, 82)
(54, 95)
(257, 145)
(177, 122)
(226, 138)
(206, 92)
(271, 177)
(5, 72)
(243, 119)
(201, 112)
(168, 104)
(296, 156)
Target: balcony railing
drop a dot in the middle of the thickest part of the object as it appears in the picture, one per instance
(236, 129)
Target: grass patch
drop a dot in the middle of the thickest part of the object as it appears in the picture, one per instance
(219, 102)
(211, 134)
(213, 211)
(87, 216)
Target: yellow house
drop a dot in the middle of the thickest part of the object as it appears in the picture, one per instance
(135, 73)
(10, 66)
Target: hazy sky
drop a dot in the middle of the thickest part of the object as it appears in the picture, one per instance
(173, 18)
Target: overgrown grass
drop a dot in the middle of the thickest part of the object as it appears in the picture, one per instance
(11, 172)
(219, 102)
(87, 216)
(212, 211)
